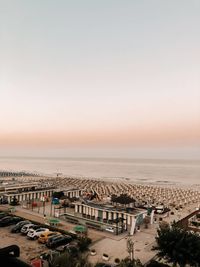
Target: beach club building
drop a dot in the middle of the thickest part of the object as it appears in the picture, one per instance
(25, 191)
(107, 217)
(70, 192)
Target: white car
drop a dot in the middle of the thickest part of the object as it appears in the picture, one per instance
(26, 228)
(34, 234)
(110, 229)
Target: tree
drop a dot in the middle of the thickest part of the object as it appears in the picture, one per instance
(84, 242)
(58, 195)
(14, 201)
(82, 261)
(67, 260)
(114, 198)
(146, 221)
(127, 262)
(164, 225)
(153, 263)
(178, 246)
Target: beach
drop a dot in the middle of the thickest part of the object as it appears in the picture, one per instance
(180, 199)
(174, 172)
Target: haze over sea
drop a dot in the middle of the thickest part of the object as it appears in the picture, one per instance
(138, 170)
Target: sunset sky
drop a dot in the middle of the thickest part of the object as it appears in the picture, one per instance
(100, 78)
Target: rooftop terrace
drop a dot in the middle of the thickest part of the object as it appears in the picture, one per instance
(108, 207)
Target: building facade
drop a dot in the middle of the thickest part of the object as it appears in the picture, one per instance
(25, 191)
(120, 219)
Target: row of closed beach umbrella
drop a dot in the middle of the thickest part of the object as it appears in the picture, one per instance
(151, 194)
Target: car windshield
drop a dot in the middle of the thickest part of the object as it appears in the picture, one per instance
(29, 225)
(57, 238)
(6, 218)
(23, 222)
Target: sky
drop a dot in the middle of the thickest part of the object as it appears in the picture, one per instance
(100, 78)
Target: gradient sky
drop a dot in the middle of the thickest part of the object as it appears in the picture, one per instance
(102, 78)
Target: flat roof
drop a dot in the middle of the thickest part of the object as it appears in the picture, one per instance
(108, 207)
(17, 185)
(69, 189)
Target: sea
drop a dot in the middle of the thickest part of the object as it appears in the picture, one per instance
(133, 170)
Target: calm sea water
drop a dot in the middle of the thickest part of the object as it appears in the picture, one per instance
(139, 170)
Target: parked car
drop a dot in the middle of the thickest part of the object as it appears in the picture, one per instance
(34, 234)
(17, 228)
(3, 201)
(43, 238)
(9, 220)
(72, 248)
(58, 241)
(110, 229)
(3, 214)
(53, 237)
(27, 227)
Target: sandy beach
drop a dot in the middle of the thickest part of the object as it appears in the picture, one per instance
(181, 201)
(171, 195)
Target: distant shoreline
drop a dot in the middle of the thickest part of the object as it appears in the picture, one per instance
(137, 171)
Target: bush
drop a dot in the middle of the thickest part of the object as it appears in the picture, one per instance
(84, 243)
(58, 194)
(153, 263)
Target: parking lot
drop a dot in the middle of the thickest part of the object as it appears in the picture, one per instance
(29, 249)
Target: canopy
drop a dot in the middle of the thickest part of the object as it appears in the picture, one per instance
(80, 228)
(53, 221)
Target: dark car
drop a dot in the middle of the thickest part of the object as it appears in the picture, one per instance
(17, 228)
(72, 248)
(53, 237)
(3, 214)
(3, 201)
(9, 220)
(58, 241)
